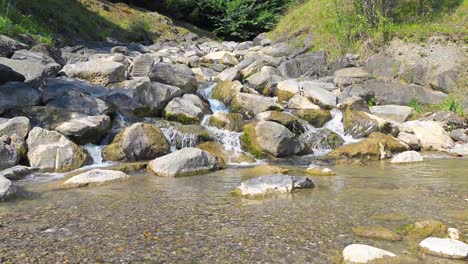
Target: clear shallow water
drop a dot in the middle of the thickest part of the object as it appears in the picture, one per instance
(195, 219)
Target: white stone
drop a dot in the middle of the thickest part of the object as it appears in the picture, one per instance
(461, 149)
(301, 102)
(96, 176)
(453, 233)
(445, 247)
(407, 157)
(359, 253)
(272, 184)
(431, 134)
(395, 113)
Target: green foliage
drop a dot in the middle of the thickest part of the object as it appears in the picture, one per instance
(418, 108)
(451, 104)
(371, 101)
(140, 29)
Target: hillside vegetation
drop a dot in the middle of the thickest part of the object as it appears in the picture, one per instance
(62, 20)
(341, 26)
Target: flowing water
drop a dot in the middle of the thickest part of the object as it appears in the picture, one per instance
(149, 219)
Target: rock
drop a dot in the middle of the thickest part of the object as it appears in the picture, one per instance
(301, 102)
(385, 67)
(286, 119)
(445, 81)
(316, 117)
(271, 185)
(276, 139)
(7, 74)
(391, 143)
(138, 142)
(449, 120)
(250, 105)
(426, 228)
(228, 121)
(221, 57)
(318, 171)
(95, 177)
(10, 151)
(17, 125)
(225, 91)
(187, 161)
(97, 71)
(431, 134)
(349, 76)
(51, 151)
(82, 103)
(8, 46)
(359, 124)
(320, 97)
(16, 94)
(156, 96)
(229, 74)
(366, 149)
(454, 233)
(407, 157)
(83, 130)
(323, 139)
(17, 172)
(314, 64)
(266, 76)
(353, 103)
(290, 69)
(456, 135)
(33, 72)
(175, 76)
(142, 65)
(50, 52)
(51, 67)
(376, 232)
(395, 113)
(279, 50)
(120, 49)
(188, 109)
(216, 150)
(287, 89)
(460, 149)
(445, 248)
(411, 140)
(6, 188)
(359, 253)
(45, 117)
(55, 88)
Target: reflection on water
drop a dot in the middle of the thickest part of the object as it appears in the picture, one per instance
(195, 219)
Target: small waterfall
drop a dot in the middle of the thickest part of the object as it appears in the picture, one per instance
(229, 139)
(217, 106)
(178, 140)
(95, 151)
(336, 125)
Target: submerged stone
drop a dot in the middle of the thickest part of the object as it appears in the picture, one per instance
(376, 232)
(444, 247)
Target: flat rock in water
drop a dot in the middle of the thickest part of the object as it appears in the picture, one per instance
(445, 247)
(271, 185)
(95, 177)
(17, 172)
(407, 157)
(359, 253)
(378, 232)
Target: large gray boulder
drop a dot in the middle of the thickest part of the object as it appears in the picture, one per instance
(156, 95)
(44, 116)
(142, 65)
(137, 143)
(87, 129)
(175, 76)
(267, 75)
(54, 88)
(407, 157)
(188, 109)
(99, 72)
(320, 96)
(34, 72)
(49, 51)
(7, 74)
(187, 161)
(311, 65)
(394, 113)
(16, 94)
(8, 46)
(18, 125)
(349, 76)
(431, 134)
(280, 49)
(249, 105)
(51, 151)
(82, 103)
(6, 188)
(95, 177)
(276, 139)
(52, 67)
(11, 149)
(271, 185)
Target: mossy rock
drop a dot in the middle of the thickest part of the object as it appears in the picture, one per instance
(288, 120)
(424, 229)
(377, 232)
(243, 158)
(284, 96)
(225, 91)
(216, 150)
(146, 112)
(318, 171)
(315, 117)
(366, 149)
(249, 141)
(181, 118)
(392, 143)
(228, 121)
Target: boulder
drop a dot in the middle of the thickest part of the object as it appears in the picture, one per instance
(290, 69)
(221, 57)
(446, 82)
(83, 130)
(8, 46)
(51, 67)
(359, 253)
(99, 72)
(95, 177)
(175, 76)
(7, 74)
(55, 88)
(275, 139)
(250, 105)
(17, 172)
(271, 185)
(410, 139)
(187, 161)
(138, 142)
(11, 149)
(280, 49)
(82, 103)
(353, 103)
(360, 124)
(228, 121)
(141, 65)
(51, 151)
(33, 72)
(18, 125)
(225, 91)
(445, 248)
(349, 76)
(50, 52)
(382, 66)
(460, 149)
(320, 96)
(156, 96)
(456, 135)
(366, 149)
(287, 89)
(316, 117)
(378, 232)
(286, 119)
(407, 157)
(267, 75)
(16, 94)
(313, 64)
(323, 139)
(449, 120)
(44, 116)
(394, 113)
(6, 188)
(188, 109)
(391, 143)
(302, 103)
(431, 134)
(229, 74)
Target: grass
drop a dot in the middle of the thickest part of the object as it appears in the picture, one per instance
(338, 30)
(51, 21)
(451, 104)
